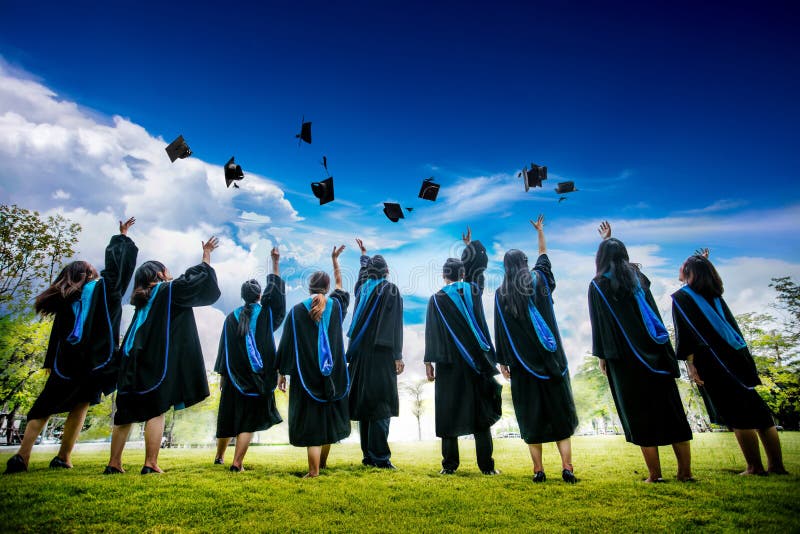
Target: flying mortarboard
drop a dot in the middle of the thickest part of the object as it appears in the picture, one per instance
(323, 190)
(409, 210)
(233, 173)
(534, 176)
(393, 211)
(429, 189)
(178, 149)
(565, 187)
(305, 132)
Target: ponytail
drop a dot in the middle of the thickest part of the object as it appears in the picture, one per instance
(251, 292)
(320, 301)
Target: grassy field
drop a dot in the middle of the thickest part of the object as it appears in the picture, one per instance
(196, 496)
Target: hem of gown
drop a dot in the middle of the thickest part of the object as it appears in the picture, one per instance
(132, 416)
(316, 443)
(256, 428)
(551, 438)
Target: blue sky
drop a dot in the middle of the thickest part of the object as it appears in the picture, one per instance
(677, 121)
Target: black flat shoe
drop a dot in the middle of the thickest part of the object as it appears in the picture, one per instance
(385, 465)
(58, 463)
(15, 464)
(539, 476)
(491, 472)
(367, 462)
(568, 476)
(112, 471)
(219, 461)
(235, 469)
(447, 472)
(146, 470)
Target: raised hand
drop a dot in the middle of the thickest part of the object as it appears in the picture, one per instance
(275, 254)
(467, 238)
(539, 224)
(604, 230)
(704, 252)
(208, 248)
(123, 226)
(336, 252)
(361, 247)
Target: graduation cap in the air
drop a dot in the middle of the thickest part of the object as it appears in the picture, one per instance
(565, 187)
(178, 149)
(393, 211)
(323, 190)
(305, 132)
(534, 176)
(233, 173)
(561, 199)
(409, 210)
(429, 189)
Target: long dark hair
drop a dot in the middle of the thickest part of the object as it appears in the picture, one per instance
(517, 286)
(318, 284)
(251, 292)
(147, 275)
(612, 260)
(702, 277)
(69, 281)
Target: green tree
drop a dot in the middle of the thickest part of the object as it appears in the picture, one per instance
(789, 300)
(593, 400)
(32, 249)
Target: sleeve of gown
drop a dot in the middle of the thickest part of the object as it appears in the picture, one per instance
(686, 341)
(52, 343)
(362, 272)
(545, 269)
(285, 357)
(274, 298)
(390, 323)
(435, 350)
(502, 346)
(219, 365)
(196, 287)
(120, 263)
(600, 324)
(344, 300)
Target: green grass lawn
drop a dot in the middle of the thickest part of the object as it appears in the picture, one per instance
(194, 495)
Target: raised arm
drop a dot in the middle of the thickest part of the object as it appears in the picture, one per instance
(337, 273)
(363, 261)
(275, 256)
(604, 230)
(208, 248)
(539, 225)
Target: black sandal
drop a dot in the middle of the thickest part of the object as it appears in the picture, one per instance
(146, 470)
(15, 464)
(568, 476)
(58, 463)
(539, 476)
(111, 470)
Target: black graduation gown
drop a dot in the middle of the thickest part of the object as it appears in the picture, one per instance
(376, 343)
(82, 372)
(466, 401)
(165, 367)
(642, 382)
(729, 375)
(543, 404)
(324, 419)
(247, 402)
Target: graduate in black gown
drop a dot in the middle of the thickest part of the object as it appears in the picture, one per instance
(312, 352)
(246, 361)
(531, 355)
(636, 355)
(86, 310)
(375, 357)
(719, 362)
(160, 361)
(467, 396)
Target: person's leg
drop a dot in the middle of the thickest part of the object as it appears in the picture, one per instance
(379, 442)
(323, 456)
(313, 461)
(242, 443)
(119, 435)
(772, 446)
(72, 429)
(363, 434)
(748, 443)
(653, 463)
(536, 455)
(683, 454)
(32, 431)
(153, 432)
(483, 450)
(450, 458)
(222, 446)
(565, 450)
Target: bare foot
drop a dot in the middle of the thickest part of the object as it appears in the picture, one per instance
(309, 475)
(650, 480)
(750, 471)
(155, 468)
